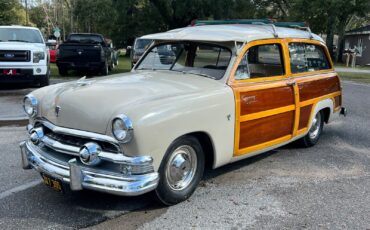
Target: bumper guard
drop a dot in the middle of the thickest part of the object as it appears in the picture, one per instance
(79, 177)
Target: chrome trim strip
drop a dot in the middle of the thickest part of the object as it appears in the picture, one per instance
(59, 147)
(79, 133)
(118, 158)
(127, 185)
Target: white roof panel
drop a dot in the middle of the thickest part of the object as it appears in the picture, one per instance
(224, 33)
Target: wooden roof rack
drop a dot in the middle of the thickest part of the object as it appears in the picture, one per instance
(273, 23)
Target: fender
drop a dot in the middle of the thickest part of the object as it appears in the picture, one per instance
(326, 103)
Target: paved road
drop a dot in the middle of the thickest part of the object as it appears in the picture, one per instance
(327, 186)
(11, 97)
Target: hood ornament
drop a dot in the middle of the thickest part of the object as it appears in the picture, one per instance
(57, 110)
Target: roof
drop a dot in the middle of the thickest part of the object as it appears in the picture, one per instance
(237, 32)
(360, 30)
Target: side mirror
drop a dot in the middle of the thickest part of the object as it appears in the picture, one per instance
(129, 47)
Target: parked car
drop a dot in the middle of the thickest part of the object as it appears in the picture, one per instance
(23, 56)
(138, 49)
(84, 52)
(52, 46)
(200, 96)
(114, 53)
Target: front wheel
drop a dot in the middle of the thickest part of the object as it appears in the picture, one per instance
(315, 131)
(180, 171)
(44, 81)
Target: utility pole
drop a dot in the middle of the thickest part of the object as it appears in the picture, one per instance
(26, 4)
(62, 18)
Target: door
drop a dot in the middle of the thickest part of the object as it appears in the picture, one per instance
(265, 98)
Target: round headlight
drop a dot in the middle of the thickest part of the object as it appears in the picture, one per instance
(30, 105)
(122, 128)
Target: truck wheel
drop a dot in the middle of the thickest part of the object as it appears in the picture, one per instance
(105, 69)
(62, 71)
(180, 171)
(315, 131)
(44, 81)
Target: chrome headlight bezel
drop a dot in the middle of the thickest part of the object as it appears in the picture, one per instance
(30, 104)
(38, 56)
(122, 128)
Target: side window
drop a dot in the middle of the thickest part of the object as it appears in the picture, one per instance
(307, 58)
(261, 61)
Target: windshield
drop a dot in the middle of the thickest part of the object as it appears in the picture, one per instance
(85, 38)
(207, 60)
(20, 35)
(142, 43)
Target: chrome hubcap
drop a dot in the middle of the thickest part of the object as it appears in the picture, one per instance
(181, 167)
(315, 127)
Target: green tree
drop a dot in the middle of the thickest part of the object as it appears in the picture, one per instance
(95, 16)
(12, 12)
(38, 17)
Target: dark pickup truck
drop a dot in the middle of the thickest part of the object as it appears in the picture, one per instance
(84, 52)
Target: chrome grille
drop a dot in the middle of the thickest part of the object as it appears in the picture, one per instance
(64, 144)
(15, 56)
(77, 141)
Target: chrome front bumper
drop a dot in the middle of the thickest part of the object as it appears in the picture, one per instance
(80, 177)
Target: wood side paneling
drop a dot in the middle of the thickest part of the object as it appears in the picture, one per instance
(266, 99)
(317, 88)
(338, 101)
(265, 129)
(304, 116)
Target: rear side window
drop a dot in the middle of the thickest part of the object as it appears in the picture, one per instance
(261, 61)
(307, 58)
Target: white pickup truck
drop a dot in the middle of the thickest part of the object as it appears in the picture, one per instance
(23, 56)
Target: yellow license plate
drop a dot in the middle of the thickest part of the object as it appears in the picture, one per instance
(53, 183)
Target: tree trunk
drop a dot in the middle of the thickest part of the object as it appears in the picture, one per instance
(343, 22)
(330, 33)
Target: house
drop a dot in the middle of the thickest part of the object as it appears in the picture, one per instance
(359, 40)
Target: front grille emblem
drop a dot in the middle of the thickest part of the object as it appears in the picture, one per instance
(9, 55)
(57, 110)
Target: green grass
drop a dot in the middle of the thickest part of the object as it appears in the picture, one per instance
(356, 77)
(342, 65)
(124, 65)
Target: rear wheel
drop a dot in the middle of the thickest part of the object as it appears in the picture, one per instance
(180, 171)
(116, 62)
(105, 70)
(315, 131)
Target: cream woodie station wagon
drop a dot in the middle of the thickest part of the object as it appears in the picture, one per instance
(204, 95)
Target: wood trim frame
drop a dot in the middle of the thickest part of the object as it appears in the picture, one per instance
(277, 81)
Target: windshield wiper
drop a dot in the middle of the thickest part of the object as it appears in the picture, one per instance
(199, 74)
(18, 40)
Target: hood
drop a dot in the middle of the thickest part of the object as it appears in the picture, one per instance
(91, 104)
(21, 46)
